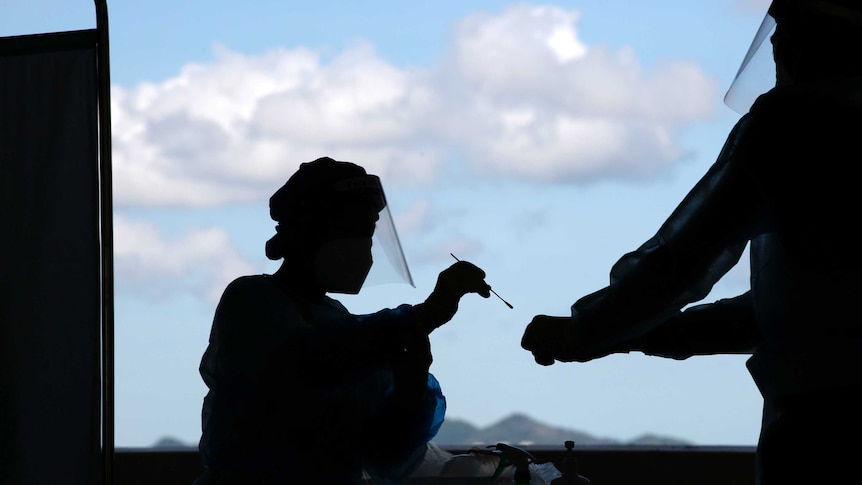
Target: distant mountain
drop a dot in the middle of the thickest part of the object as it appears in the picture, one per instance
(517, 429)
(521, 429)
(171, 442)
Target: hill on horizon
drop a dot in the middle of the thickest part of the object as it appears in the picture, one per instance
(520, 429)
(516, 429)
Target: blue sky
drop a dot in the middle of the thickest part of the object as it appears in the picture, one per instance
(540, 141)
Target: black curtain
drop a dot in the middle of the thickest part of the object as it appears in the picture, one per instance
(51, 268)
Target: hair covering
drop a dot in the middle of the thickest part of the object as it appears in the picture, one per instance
(820, 20)
(828, 32)
(305, 196)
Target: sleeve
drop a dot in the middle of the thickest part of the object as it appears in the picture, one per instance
(701, 240)
(328, 354)
(398, 436)
(726, 326)
(231, 366)
(409, 414)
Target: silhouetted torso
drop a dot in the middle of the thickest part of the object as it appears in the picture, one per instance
(806, 277)
(298, 387)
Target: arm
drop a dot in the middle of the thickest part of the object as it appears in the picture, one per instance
(415, 407)
(358, 342)
(328, 354)
(727, 326)
(408, 418)
(701, 240)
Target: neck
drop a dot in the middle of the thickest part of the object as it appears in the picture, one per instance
(299, 279)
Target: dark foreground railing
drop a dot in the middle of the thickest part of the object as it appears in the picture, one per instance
(603, 465)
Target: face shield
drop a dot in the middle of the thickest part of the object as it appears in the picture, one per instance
(756, 74)
(388, 262)
(823, 34)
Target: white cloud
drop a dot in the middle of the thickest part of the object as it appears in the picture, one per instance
(415, 218)
(202, 261)
(590, 115)
(518, 94)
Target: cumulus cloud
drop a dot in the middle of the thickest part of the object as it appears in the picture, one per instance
(201, 262)
(415, 218)
(517, 94)
(582, 113)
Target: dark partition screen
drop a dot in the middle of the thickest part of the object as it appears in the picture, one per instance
(50, 261)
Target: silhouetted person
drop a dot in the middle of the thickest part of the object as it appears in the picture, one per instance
(787, 183)
(300, 389)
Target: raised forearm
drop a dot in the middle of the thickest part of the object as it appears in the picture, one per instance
(727, 326)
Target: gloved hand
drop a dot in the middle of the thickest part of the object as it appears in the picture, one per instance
(454, 282)
(546, 337)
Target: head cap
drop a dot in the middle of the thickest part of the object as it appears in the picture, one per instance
(304, 205)
(319, 185)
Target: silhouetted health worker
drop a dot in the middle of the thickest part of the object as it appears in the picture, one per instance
(786, 183)
(300, 389)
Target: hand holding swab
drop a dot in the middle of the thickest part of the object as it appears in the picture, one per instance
(489, 287)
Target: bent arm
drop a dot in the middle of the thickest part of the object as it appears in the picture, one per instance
(702, 239)
(328, 354)
(399, 435)
(726, 326)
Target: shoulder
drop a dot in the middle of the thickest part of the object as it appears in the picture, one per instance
(826, 101)
(246, 293)
(254, 302)
(793, 120)
(246, 284)
(775, 109)
(779, 120)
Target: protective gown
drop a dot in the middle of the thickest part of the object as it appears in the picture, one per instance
(302, 390)
(787, 183)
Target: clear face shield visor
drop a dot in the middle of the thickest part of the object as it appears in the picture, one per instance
(756, 74)
(388, 262)
(816, 19)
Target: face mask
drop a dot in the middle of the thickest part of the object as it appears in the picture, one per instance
(341, 265)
